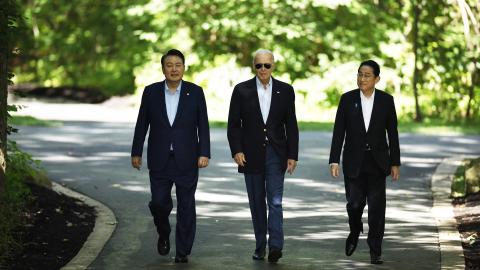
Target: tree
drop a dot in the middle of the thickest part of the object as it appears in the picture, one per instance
(3, 97)
(310, 36)
(9, 16)
(444, 61)
(89, 43)
(471, 29)
(416, 7)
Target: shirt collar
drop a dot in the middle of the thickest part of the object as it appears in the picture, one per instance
(362, 96)
(179, 87)
(260, 85)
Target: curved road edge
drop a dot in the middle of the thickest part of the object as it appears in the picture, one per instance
(451, 250)
(105, 224)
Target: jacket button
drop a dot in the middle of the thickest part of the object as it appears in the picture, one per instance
(264, 145)
(264, 130)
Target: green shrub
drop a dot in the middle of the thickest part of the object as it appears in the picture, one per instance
(20, 167)
(466, 180)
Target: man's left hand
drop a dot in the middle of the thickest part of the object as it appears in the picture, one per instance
(291, 165)
(202, 162)
(395, 172)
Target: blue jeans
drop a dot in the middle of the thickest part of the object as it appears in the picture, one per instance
(269, 184)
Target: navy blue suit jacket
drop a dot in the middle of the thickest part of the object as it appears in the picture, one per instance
(189, 134)
(246, 130)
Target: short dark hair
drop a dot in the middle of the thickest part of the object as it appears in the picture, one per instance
(173, 52)
(374, 65)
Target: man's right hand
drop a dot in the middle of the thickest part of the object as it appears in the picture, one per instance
(334, 170)
(137, 162)
(240, 159)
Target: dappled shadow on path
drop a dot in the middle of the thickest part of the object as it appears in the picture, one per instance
(94, 158)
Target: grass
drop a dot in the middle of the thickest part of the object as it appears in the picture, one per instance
(459, 188)
(19, 120)
(440, 127)
(21, 167)
(429, 127)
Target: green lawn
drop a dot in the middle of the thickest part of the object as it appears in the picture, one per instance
(18, 120)
(429, 127)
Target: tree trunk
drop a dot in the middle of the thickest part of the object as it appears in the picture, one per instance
(471, 90)
(416, 15)
(3, 100)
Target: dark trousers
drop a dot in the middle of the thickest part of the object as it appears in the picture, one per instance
(269, 185)
(369, 187)
(161, 205)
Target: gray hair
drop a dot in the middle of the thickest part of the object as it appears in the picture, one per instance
(263, 51)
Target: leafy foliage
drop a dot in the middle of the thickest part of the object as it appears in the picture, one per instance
(20, 166)
(91, 44)
(100, 44)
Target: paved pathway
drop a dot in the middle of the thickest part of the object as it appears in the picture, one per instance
(94, 158)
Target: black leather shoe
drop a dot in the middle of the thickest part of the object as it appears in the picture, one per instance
(181, 259)
(375, 259)
(258, 255)
(163, 246)
(351, 244)
(274, 255)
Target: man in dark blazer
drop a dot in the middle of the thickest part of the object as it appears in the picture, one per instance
(263, 137)
(363, 118)
(178, 145)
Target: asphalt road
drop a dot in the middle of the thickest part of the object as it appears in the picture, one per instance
(94, 158)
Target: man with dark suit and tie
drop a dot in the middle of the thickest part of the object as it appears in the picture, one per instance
(178, 145)
(263, 137)
(365, 118)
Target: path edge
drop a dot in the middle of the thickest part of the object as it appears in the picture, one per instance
(105, 224)
(450, 243)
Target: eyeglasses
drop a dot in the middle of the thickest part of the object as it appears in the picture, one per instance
(366, 76)
(266, 66)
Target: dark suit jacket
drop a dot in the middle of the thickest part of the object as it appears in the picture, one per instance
(349, 125)
(246, 130)
(189, 133)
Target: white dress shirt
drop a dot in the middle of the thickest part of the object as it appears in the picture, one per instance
(171, 102)
(367, 107)
(264, 97)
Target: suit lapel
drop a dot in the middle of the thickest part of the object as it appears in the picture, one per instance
(254, 93)
(376, 105)
(276, 92)
(358, 106)
(164, 102)
(184, 94)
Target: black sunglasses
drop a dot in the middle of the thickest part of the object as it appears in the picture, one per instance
(259, 66)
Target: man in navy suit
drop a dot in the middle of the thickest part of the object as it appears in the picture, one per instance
(178, 145)
(263, 137)
(365, 118)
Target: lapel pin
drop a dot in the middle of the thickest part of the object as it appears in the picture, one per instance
(278, 92)
(356, 105)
